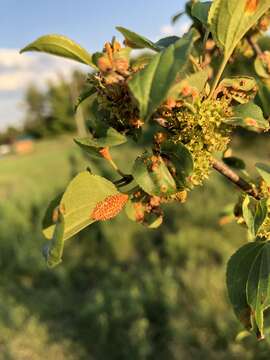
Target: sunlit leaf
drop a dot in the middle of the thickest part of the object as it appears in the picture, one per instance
(61, 46)
(254, 213)
(151, 85)
(264, 171)
(249, 116)
(230, 20)
(137, 41)
(87, 198)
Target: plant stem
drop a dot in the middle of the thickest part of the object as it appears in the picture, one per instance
(218, 76)
(235, 178)
(255, 47)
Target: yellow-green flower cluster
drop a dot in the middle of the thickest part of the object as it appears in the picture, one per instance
(202, 131)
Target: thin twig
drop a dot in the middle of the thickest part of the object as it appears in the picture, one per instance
(255, 47)
(235, 178)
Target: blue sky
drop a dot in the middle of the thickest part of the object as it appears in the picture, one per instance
(90, 23)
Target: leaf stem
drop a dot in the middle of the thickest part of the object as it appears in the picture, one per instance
(224, 170)
(218, 76)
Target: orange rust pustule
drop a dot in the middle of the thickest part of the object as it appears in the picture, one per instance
(109, 208)
(251, 5)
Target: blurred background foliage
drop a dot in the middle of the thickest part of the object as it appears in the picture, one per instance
(123, 291)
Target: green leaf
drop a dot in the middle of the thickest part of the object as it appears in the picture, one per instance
(53, 252)
(137, 41)
(196, 81)
(181, 159)
(85, 94)
(61, 46)
(151, 85)
(84, 193)
(110, 137)
(200, 11)
(230, 20)
(262, 98)
(261, 68)
(151, 220)
(254, 213)
(167, 41)
(249, 116)
(177, 16)
(153, 176)
(258, 287)
(234, 162)
(264, 171)
(238, 269)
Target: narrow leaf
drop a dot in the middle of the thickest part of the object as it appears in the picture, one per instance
(136, 41)
(53, 252)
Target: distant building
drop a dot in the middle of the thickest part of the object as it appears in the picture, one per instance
(23, 145)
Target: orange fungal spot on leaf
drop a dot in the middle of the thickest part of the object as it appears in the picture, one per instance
(109, 208)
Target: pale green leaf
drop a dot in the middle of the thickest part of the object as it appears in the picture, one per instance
(264, 171)
(80, 199)
(230, 20)
(61, 46)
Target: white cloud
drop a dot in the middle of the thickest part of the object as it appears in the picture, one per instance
(176, 29)
(18, 71)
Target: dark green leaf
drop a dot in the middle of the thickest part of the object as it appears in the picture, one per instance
(200, 11)
(181, 159)
(53, 252)
(61, 46)
(151, 85)
(85, 94)
(177, 16)
(238, 269)
(153, 176)
(258, 287)
(235, 162)
(137, 41)
(167, 41)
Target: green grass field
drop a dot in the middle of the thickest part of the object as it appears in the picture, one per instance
(122, 291)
